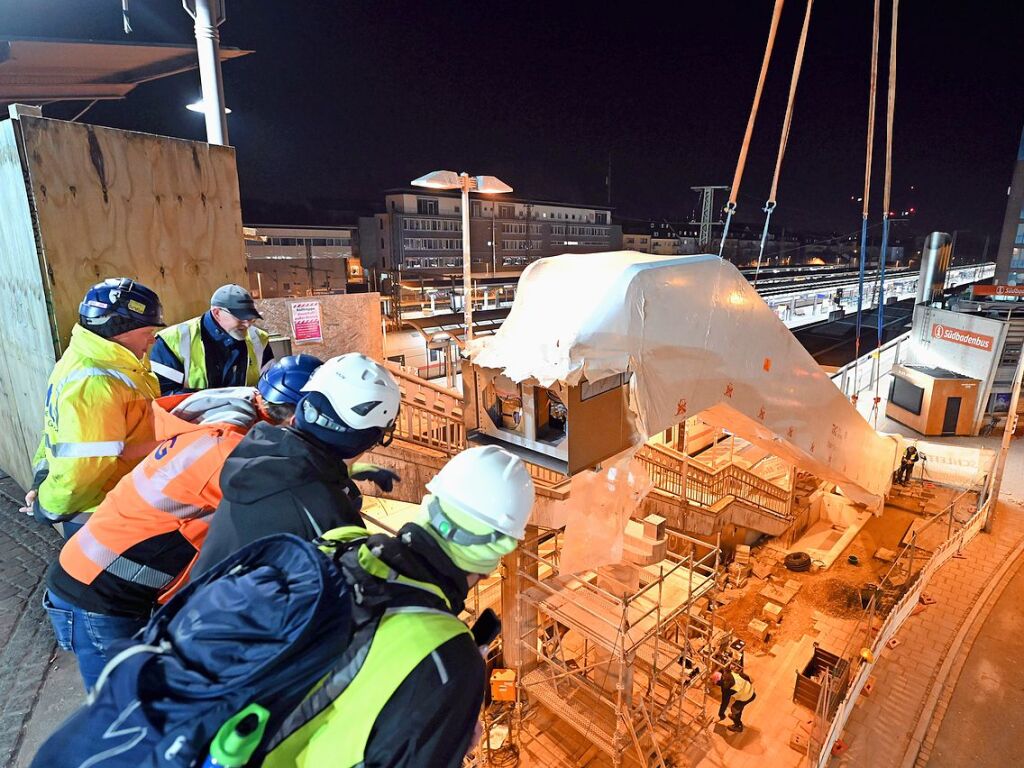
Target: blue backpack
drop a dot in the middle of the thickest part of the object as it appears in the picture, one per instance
(261, 627)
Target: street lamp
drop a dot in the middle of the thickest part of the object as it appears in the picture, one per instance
(464, 182)
(200, 106)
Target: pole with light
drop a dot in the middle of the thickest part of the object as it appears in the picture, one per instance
(208, 15)
(488, 185)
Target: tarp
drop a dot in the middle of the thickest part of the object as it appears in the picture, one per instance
(697, 339)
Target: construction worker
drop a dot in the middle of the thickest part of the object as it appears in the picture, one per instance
(97, 423)
(220, 348)
(415, 696)
(907, 463)
(295, 480)
(139, 545)
(737, 688)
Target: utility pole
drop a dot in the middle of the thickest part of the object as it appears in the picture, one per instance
(707, 209)
(208, 15)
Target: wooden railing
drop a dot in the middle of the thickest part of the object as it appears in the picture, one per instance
(671, 473)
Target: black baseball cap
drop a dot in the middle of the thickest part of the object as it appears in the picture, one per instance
(236, 300)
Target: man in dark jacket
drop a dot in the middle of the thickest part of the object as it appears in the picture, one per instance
(408, 691)
(737, 688)
(294, 480)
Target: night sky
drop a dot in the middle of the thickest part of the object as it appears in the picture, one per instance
(343, 100)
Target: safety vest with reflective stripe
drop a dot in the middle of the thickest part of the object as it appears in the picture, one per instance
(97, 423)
(743, 690)
(171, 494)
(185, 340)
(333, 725)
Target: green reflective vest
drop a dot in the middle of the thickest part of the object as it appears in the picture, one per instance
(97, 423)
(743, 690)
(185, 340)
(332, 726)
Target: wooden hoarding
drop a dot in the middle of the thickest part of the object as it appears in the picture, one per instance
(104, 203)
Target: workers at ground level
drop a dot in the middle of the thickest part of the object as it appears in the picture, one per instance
(97, 420)
(737, 688)
(220, 348)
(907, 463)
(136, 550)
(294, 480)
(416, 697)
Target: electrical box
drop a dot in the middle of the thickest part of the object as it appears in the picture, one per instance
(503, 685)
(564, 428)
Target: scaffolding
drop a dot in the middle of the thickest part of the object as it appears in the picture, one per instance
(626, 666)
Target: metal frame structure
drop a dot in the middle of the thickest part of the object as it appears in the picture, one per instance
(629, 689)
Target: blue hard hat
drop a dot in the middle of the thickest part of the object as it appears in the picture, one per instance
(121, 297)
(283, 381)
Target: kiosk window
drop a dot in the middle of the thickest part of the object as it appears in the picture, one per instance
(906, 395)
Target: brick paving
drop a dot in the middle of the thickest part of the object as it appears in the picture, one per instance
(26, 639)
(881, 729)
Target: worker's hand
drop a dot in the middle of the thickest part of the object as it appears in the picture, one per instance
(30, 500)
(382, 477)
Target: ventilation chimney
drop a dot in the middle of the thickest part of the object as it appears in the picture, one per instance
(938, 248)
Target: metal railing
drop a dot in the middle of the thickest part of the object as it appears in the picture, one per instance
(863, 373)
(672, 473)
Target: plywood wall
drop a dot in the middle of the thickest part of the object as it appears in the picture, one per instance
(114, 203)
(351, 323)
(28, 354)
(106, 203)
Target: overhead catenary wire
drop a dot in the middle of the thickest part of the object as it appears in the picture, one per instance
(886, 190)
(868, 156)
(741, 161)
(787, 122)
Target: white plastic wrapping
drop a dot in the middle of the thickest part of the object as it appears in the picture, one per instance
(697, 338)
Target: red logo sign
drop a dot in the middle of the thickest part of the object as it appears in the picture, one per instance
(998, 290)
(960, 336)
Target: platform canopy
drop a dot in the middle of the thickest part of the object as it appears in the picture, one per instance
(37, 71)
(697, 339)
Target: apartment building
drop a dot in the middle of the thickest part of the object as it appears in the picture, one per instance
(420, 232)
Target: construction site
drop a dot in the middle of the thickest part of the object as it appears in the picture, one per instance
(709, 499)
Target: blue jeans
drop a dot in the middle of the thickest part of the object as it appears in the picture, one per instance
(89, 635)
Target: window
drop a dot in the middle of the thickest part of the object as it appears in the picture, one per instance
(906, 395)
(474, 209)
(426, 206)
(506, 211)
(513, 229)
(601, 218)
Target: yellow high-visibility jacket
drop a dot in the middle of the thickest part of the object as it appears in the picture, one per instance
(97, 424)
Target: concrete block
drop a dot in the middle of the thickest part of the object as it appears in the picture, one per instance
(772, 612)
(759, 628)
(885, 555)
(654, 527)
(742, 554)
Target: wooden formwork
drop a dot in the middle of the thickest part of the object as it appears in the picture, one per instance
(80, 203)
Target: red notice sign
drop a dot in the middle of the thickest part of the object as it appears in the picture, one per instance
(307, 323)
(960, 336)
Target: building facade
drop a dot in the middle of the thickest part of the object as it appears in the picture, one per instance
(1010, 260)
(420, 232)
(303, 261)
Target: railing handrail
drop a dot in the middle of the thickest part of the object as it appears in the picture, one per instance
(401, 373)
(866, 358)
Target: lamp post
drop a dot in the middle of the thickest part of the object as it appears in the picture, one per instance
(464, 182)
(208, 15)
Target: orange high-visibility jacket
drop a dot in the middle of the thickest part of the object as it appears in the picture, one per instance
(139, 545)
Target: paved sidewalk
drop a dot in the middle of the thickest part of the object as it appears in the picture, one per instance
(26, 638)
(881, 729)
(980, 710)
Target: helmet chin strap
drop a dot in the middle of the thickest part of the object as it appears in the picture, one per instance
(452, 531)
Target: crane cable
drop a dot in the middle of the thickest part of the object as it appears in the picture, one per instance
(741, 161)
(869, 154)
(769, 206)
(887, 189)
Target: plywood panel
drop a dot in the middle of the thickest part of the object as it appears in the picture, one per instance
(111, 203)
(351, 323)
(28, 354)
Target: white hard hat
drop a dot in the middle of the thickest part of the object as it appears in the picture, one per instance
(490, 485)
(361, 391)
